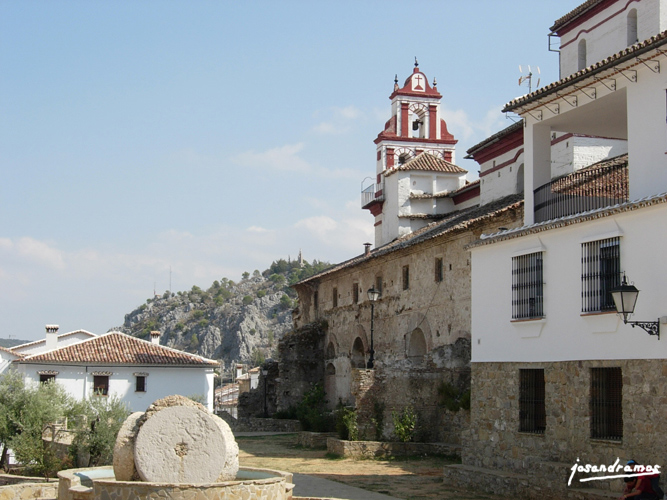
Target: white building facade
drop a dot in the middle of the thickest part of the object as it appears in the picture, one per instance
(136, 371)
(577, 383)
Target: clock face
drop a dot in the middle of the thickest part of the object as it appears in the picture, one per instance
(418, 83)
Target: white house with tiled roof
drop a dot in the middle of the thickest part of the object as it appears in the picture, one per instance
(6, 358)
(137, 371)
(579, 385)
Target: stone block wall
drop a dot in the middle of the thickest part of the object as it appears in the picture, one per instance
(381, 449)
(28, 491)
(301, 365)
(494, 441)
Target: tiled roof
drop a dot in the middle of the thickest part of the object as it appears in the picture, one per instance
(628, 54)
(18, 355)
(61, 336)
(118, 349)
(458, 221)
(601, 178)
(494, 138)
(574, 13)
(569, 220)
(428, 162)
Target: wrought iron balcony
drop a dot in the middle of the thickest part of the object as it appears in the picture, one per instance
(372, 194)
(590, 188)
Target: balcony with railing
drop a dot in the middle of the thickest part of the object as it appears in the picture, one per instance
(598, 186)
(372, 194)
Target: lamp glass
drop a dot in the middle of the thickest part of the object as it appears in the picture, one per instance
(373, 294)
(625, 298)
(265, 372)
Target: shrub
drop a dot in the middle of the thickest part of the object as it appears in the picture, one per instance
(261, 293)
(453, 398)
(346, 423)
(247, 300)
(311, 411)
(404, 424)
(378, 419)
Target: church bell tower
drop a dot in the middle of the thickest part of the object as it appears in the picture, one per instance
(414, 169)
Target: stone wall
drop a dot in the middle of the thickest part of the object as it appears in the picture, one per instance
(27, 491)
(251, 403)
(495, 443)
(253, 424)
(301, 365)
(314, 439)
(382, 449)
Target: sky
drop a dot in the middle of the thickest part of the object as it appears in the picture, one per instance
(155, 145)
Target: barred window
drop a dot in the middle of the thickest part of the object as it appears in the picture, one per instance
(527, 286)
(101, 385)
(600, 273)
(532, 412)
(140, 385)
(606, 403)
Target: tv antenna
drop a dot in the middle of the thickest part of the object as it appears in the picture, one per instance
(529, 78)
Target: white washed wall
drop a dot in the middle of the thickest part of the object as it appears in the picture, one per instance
(63, 341)
(502, 182)
(160, 382)
(566, 334)
(606, 32)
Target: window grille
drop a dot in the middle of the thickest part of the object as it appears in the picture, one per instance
(438, 270)
(406, 277)
(140, 385)
(600, 273)
(527, 286)
(532, 412)
(43, 379)
(606, 403)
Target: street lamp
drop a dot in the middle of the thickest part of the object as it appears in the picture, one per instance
(265, 373)
(625, 298)
(373, 295)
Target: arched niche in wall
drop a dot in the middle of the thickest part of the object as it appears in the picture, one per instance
(519, 179)
(631, 21)
(581, 55)
(330, 352)
(330, 384)
(358, 354)
(416, 346)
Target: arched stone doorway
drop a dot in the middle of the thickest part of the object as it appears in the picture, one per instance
(358, 354)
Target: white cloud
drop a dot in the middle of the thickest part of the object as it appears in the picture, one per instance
(39, 252)
(284, 158)
(467, 129)
(338, 120)
(257, 229)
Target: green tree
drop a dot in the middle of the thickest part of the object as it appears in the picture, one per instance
(245, 275)
(404, 423)
(285, 302)
(247, 300)
(258, 357)
(27, 414)
(97, 423)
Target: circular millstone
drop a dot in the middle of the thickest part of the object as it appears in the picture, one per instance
(123, 451)
(180, 444)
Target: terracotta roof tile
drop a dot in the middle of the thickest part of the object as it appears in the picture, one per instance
(628, 54)
(451, 224)
(574, 13)
(117, 348)
(429, 162)
(43, 341)
(18, 355)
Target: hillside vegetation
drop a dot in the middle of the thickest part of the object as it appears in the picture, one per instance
(232, 322)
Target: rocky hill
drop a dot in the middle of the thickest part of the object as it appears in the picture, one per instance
(232, 322)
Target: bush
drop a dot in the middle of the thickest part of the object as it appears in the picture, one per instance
(453, 398)
(311, 411)
(346, 423)
(404, 424)
(261, 293)
(247, 300)
(378, 419)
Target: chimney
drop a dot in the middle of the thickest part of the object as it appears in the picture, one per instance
(51, 337)
(367, 249)
(239, 370)
(155, 337)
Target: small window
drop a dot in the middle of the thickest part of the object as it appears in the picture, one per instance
(335, 297)
(600, 273)
(140, 385)
(527, 286)
(316, 300)
(406, 277)
(45, 378)
(606, 403)
(355, 293)
(378, 283)
(532, 411)
(438, 270)
(101, 385)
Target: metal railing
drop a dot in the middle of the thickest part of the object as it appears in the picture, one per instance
(371, 194)
(581, 191)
